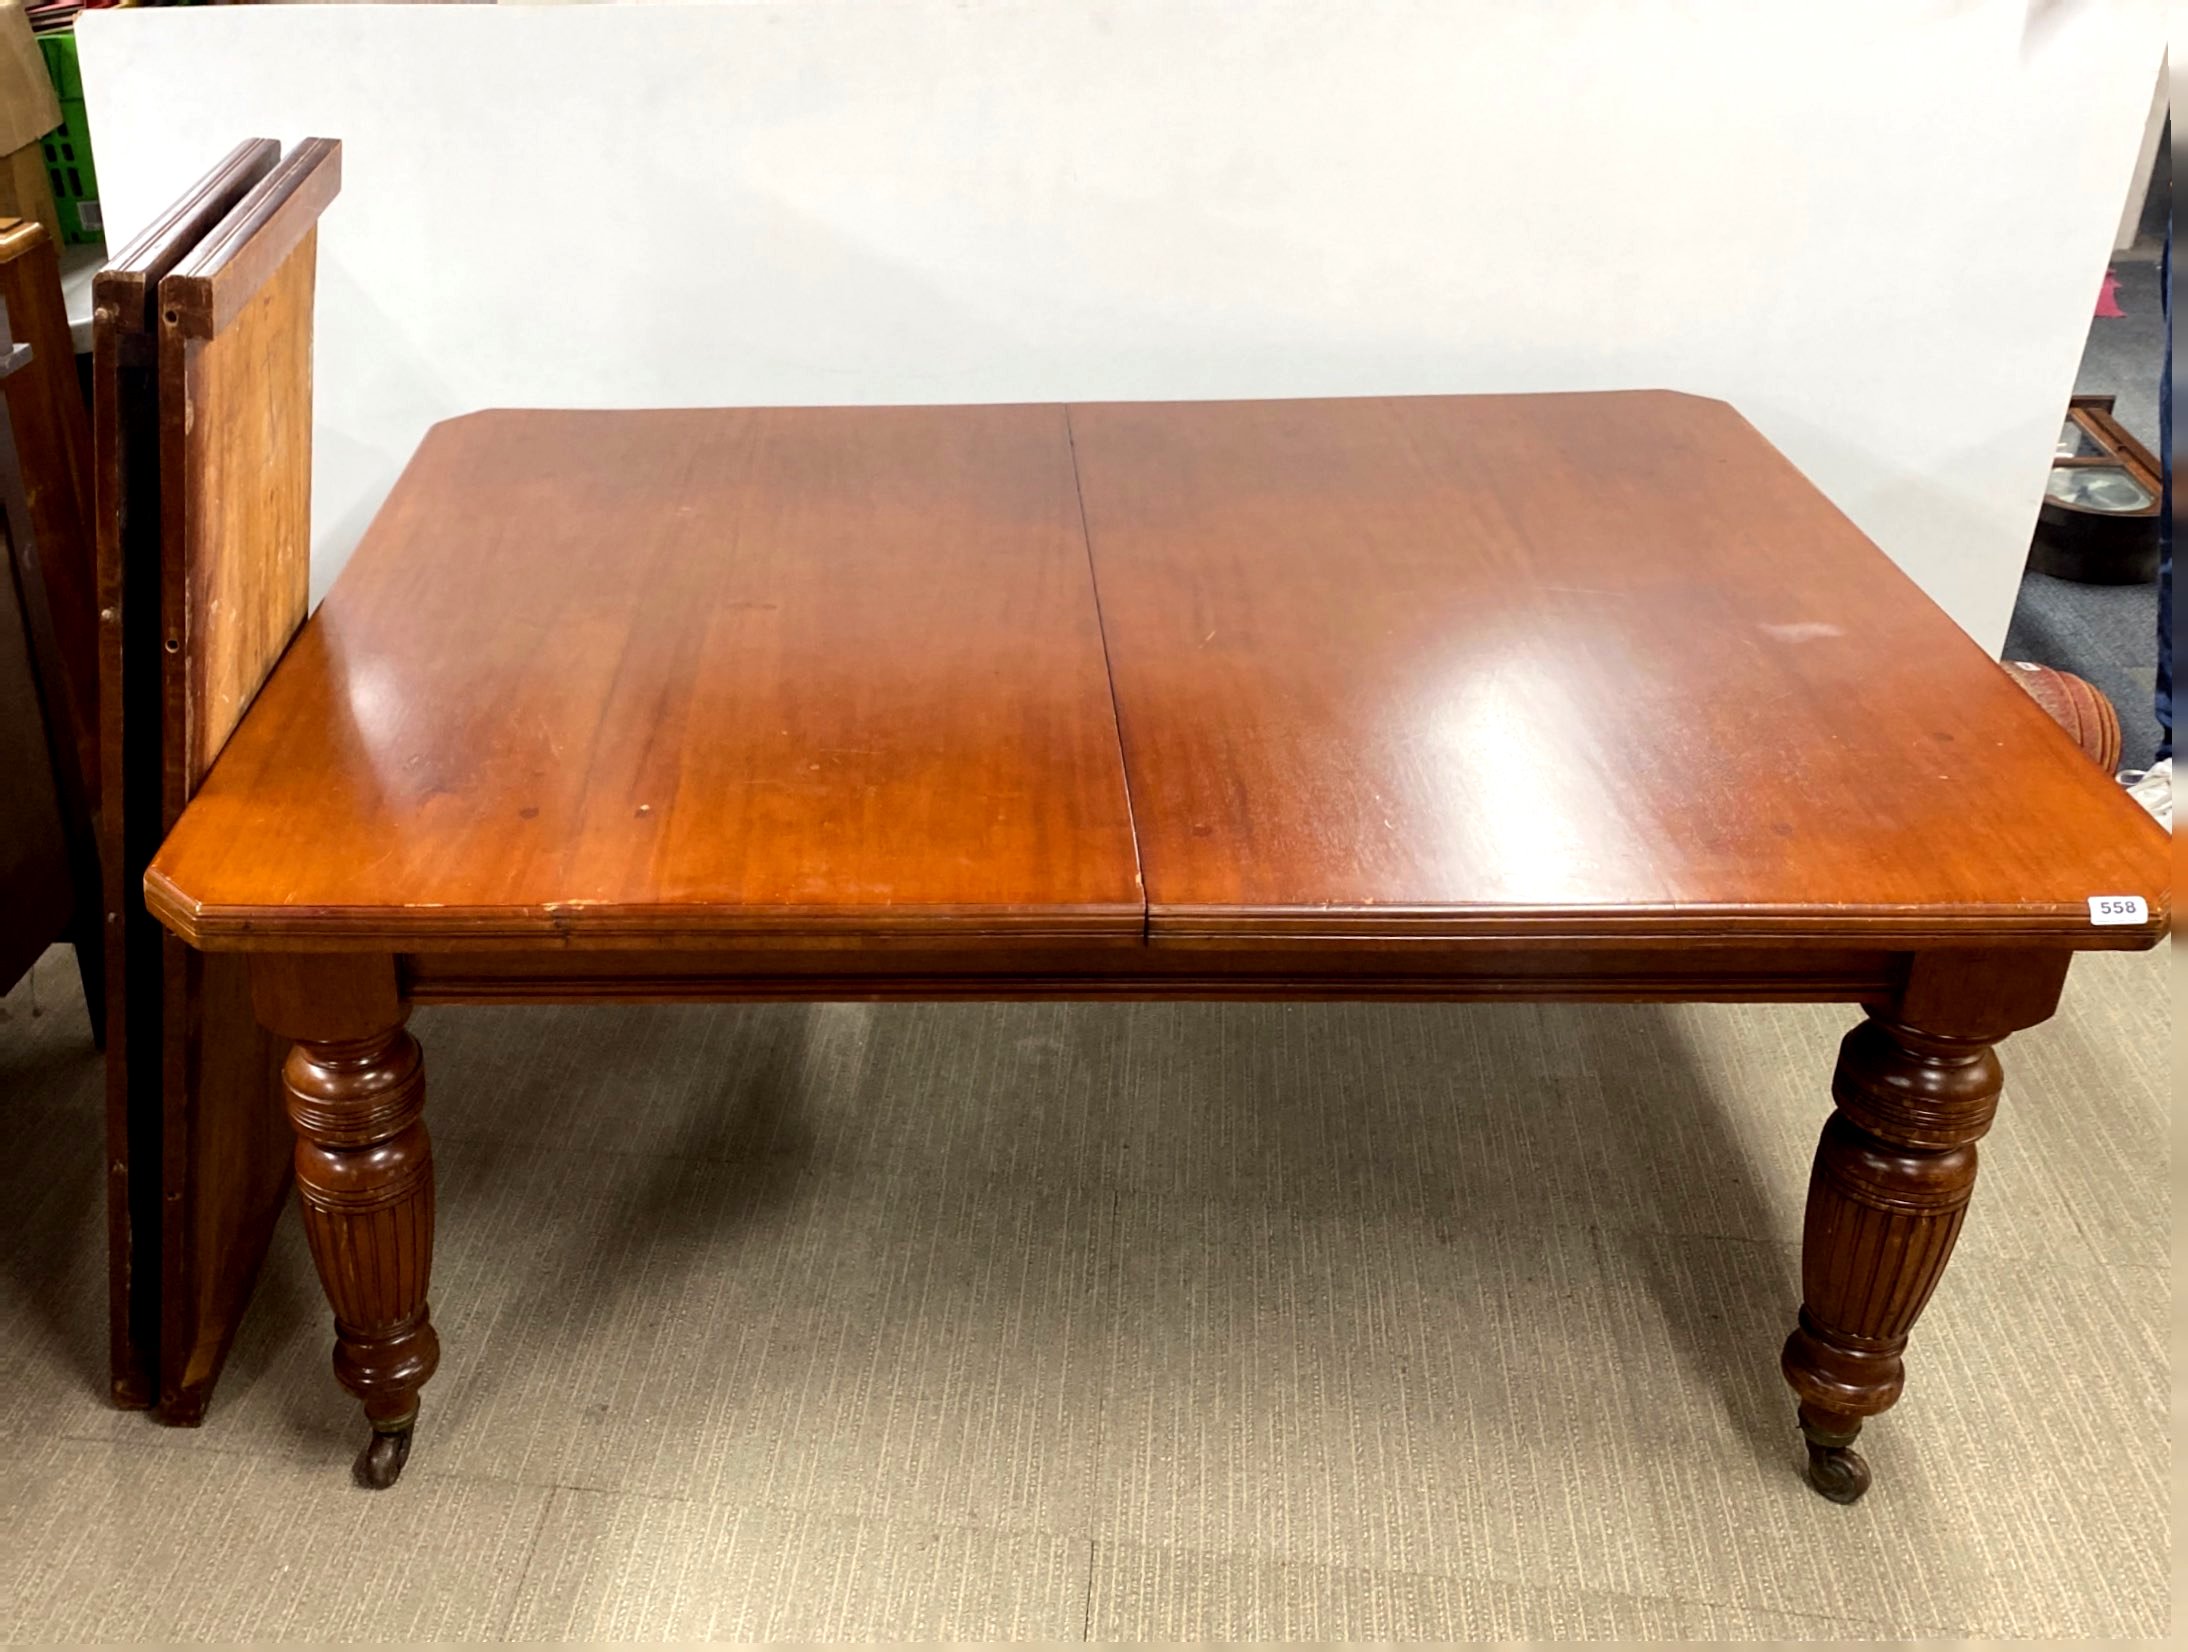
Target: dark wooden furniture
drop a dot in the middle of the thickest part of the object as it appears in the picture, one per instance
(49, 870)
(202, 448)
(2099, 520)
(53, 446)
(1574, 697)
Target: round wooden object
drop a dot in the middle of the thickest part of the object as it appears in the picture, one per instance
(2076, 706)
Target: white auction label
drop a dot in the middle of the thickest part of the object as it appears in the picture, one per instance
(2118, 909)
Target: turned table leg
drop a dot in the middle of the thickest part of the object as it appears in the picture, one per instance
(1916, 1087)
(355, 1086)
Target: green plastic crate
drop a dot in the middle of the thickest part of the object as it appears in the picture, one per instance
(68, 146)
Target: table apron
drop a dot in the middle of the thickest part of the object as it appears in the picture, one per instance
(894, 973)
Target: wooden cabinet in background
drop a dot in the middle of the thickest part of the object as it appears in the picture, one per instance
(49, 876)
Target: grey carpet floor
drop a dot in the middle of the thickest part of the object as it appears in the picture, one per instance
(1127, 1322)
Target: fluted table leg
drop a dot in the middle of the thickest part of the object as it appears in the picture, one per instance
(1893, 1174)
(364, 1180)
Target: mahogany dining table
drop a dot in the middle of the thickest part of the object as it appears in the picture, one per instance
(1552, 697)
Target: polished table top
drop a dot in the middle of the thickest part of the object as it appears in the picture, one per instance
(1442, 668)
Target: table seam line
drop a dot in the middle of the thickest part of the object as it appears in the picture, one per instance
(1109, 673)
